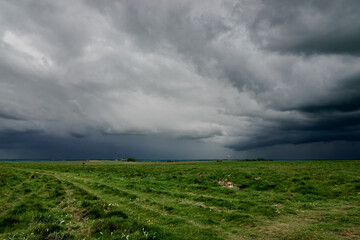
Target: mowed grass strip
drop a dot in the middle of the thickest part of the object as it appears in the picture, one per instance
(112, 200)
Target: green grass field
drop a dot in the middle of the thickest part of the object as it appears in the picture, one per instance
(117, 200)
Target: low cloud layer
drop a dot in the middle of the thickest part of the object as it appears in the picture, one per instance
(183, 79)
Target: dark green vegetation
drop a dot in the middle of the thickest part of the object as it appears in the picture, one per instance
(119, 200)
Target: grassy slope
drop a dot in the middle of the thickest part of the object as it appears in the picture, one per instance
(112, 200)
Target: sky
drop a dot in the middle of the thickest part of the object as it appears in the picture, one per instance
(185, 79)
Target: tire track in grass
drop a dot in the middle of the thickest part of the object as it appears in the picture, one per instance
(28, 213)
(75, 195)
(77, 224)
(127, 192)
(14, 192)
(144, 209)
(58, 209)
(83, 190)
(124, 201)
(215, 202)
(161, 201)
(154, 211)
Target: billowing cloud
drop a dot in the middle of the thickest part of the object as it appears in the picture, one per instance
(151, 78)
(304, 27)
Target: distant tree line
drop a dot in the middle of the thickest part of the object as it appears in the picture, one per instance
(257, 159)
(247, 159)
(128, 160)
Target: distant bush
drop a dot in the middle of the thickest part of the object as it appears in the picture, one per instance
(131, 159)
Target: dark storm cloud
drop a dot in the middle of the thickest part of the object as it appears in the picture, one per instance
(34, 144)
(12, 139)
(195, 30)
(316, 129)
(333, 117)
(164, 78)
(10, 116)
(344, 97)
(310, 26)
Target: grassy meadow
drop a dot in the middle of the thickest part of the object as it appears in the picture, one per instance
(197, 200)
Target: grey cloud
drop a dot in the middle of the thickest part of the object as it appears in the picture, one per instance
(307, 27)
(319, 150)
(105, 79)
(344, 97)
(55, 28)
(9, 115)
(13, 139)
(41, 145)
(321, 131)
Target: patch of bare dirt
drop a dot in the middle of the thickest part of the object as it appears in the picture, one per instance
(227, 184)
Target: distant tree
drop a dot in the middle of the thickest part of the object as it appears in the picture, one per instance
(131, 159)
